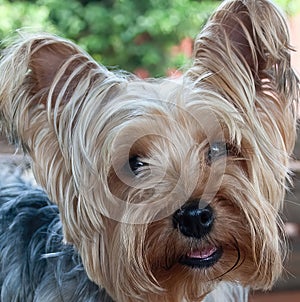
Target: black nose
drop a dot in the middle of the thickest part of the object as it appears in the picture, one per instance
(194, 220)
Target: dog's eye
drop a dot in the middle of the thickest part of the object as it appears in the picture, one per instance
(136, 164)
(221, 149)
(216, 151)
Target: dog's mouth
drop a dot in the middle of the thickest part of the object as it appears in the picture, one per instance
(202, 258)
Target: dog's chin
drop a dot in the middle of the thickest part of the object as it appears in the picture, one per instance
(202, 258)
(193, 274)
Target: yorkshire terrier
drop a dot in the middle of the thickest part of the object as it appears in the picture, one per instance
(163, 190)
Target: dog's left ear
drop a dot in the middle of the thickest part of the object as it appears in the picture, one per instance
(244, 52)
(247, 33)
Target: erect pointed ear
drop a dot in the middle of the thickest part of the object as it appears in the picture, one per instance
(57, 66)
(40, 72)
(243, 52)
(49, 91)
(243, 33)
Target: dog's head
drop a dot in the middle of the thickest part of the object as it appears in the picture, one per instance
(165, 187)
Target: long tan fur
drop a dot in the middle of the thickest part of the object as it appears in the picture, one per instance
(81, 123)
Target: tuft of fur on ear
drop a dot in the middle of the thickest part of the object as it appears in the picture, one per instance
(41, 72)
(241, 53)
(45, 83)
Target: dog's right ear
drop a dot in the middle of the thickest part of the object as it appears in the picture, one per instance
(41, 74)
(52, 63)
(49, 91)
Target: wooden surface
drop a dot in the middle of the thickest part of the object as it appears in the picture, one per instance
(276, 297)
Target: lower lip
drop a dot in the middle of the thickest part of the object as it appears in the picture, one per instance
(197, 262)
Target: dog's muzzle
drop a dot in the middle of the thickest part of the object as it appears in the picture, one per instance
(195, 220)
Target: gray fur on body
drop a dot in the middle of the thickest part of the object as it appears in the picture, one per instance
(35, 264)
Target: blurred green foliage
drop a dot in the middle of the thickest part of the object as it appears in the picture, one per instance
(125, 34)
(292, 7)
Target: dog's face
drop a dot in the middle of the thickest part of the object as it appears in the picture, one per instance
(189, 203)
(165, 187)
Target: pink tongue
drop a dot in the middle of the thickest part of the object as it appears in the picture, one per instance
(202, 254)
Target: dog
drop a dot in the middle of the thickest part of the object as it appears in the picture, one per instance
(149, 190)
